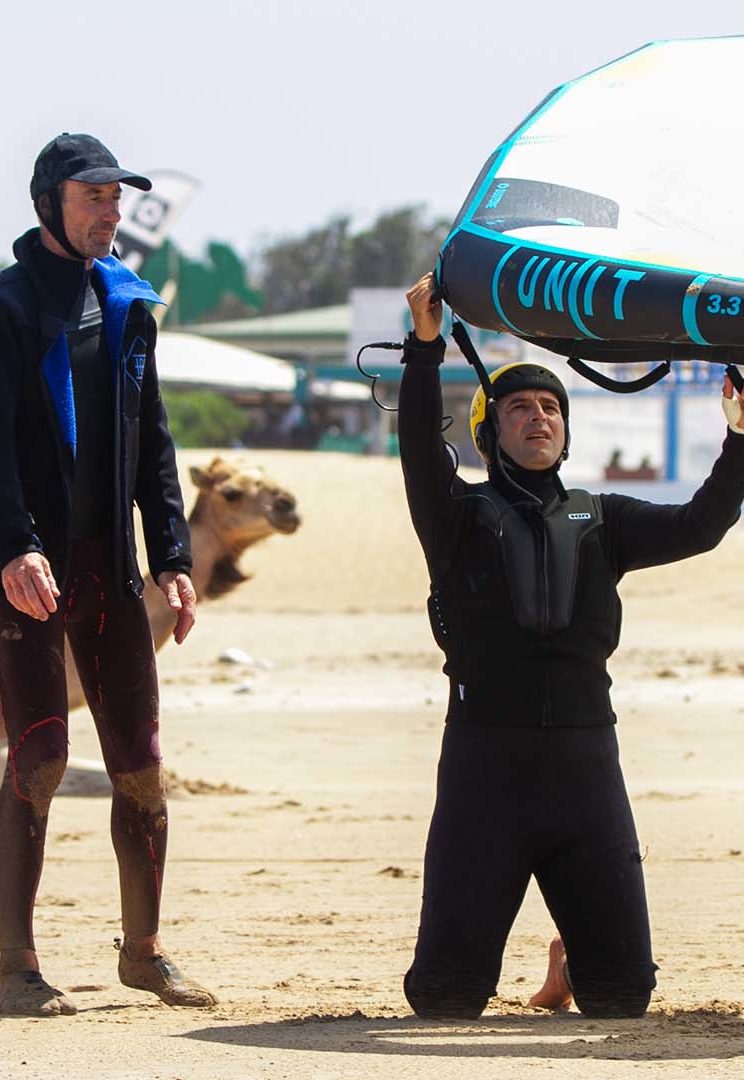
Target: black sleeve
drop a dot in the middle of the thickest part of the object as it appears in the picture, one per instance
(17, 536)
(428, 466)
(158, 492)
(646, 534)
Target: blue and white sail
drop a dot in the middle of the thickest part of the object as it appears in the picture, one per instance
(610, 224)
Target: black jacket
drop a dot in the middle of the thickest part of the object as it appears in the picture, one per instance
(524, 598)
(37, 416)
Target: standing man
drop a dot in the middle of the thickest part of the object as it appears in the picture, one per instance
(524, 605)
(83, 436)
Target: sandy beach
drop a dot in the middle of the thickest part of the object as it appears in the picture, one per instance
(303, 785)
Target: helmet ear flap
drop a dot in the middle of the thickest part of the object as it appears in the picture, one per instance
(487, 433)
(481, 439)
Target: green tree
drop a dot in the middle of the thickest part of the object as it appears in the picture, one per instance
(203, 418)
(320, 268)
(307, 271)
(397, 249)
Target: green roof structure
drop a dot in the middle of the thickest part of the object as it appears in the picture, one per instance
(317, 334)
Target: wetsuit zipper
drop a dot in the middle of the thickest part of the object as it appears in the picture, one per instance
(130, 577)
(122, 536)
(118, 460)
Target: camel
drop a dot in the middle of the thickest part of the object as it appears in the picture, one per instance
(237, 506)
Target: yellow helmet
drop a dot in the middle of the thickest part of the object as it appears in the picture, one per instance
(507, 380)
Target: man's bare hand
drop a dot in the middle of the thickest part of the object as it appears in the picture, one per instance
(733, 407)
(427, 315)
(179, 592)
(30, 586)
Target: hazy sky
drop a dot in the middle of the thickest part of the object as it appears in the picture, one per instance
(289, 112)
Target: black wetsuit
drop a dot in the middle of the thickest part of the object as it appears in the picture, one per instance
(525, 607)
(69, 499)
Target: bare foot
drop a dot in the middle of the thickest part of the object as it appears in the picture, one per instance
(26, 993)
(555, 993)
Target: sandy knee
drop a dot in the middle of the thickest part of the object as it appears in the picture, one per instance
(145, 788)
(42, 783)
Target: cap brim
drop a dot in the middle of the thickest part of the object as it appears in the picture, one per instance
(109, 175)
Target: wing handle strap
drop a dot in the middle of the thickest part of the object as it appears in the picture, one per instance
(632, 386)
(466, 347)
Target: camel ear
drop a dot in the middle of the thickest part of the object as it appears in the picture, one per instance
(200, 478)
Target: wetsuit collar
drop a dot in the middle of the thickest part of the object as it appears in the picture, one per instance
(519, 484)
(59, 282)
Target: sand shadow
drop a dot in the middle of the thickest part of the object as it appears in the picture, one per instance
(685, 1034)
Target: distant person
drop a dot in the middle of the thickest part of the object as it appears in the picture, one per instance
(83, 435)
(524, 605)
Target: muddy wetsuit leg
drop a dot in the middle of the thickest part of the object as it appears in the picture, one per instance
(593, 882)
(112, 645)
(505, 810)
(34, 700)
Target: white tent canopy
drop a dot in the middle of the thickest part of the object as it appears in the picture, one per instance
(189, 360)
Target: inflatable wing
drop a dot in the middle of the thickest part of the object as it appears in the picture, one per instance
(610, 224)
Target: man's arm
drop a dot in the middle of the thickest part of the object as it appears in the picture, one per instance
(26, 575)
(158, 492)
(428, 467)
(646, 534)
(158, 495)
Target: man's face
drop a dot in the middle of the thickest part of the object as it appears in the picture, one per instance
(531, 426)
(90, 213)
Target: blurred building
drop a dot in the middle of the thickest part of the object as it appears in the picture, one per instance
(674, 429)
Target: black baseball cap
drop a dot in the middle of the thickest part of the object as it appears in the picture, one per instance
(83, 158)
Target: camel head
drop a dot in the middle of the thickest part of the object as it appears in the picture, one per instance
(237, 505)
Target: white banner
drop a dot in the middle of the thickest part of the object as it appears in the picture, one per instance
(148, 216)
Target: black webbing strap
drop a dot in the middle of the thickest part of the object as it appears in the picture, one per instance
(649, 379)
(617, 386)
(466, 347)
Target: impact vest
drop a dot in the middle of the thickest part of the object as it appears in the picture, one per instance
(528, 611)
(540, 556)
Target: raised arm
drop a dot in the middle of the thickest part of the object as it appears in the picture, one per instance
(646, 534)
(428, 466)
